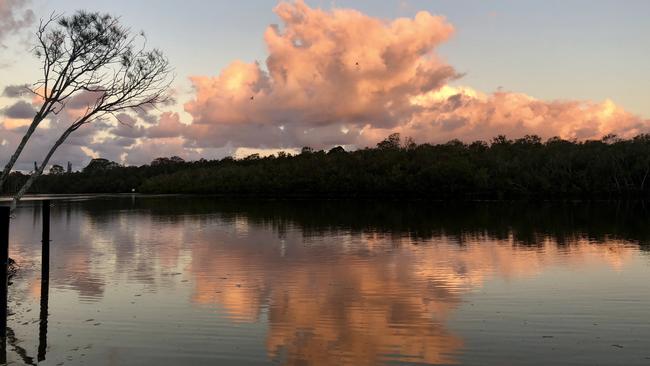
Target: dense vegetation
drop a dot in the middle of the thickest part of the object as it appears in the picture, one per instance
(503, 168)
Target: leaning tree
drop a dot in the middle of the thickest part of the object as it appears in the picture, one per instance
(91, 57)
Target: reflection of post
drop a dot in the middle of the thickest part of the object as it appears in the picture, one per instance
(42, 329)
(45, 282)
(4, 262)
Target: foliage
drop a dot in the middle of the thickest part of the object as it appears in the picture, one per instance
(100, 165)
(521, 168)
(166, 161)
(56, 169)
(92, 67)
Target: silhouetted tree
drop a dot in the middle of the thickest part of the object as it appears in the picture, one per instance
(167, 161)
(100, 165)
(336, 150)
(91, 56)
(56, 169)
(522, 168)
(391, 142)
(255, 156)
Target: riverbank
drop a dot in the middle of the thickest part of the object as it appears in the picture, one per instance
(526, 168)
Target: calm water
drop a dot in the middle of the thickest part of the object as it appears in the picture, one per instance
(181, 280)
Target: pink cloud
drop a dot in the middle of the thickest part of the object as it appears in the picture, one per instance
(325, 68)
(127, 127)
(336, 77)
(40, 143)
(467, 114)
(169, 125)
(148, 149)
(342, 77)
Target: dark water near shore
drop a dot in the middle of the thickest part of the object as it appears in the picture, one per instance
(199, 280)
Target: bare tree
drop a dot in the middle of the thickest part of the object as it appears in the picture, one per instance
(91, 56)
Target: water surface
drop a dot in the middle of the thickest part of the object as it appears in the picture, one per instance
(199, 280)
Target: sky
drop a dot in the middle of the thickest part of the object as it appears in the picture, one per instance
(327, 73)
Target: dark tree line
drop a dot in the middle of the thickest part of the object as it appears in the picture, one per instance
(523, 168)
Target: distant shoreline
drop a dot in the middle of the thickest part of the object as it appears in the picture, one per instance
(522, 169)
(117, 195)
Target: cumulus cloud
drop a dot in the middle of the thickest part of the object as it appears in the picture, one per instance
(169, 125)
(14, 16)
(462, 112)
(332, 77)
(342, 77)
(148, 149)
(40, 142)
(127, 127)
(20, 110)
(15, 91)
(15, 119)
(327, 70)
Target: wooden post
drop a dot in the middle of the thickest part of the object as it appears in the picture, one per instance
(46, 231)
(45, 282)
(5, 212)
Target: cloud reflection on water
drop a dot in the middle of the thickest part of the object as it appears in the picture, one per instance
(352, 288)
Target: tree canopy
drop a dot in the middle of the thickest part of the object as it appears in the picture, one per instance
(503, 168)
(92, 61)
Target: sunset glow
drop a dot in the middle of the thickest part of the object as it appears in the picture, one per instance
(329, 76)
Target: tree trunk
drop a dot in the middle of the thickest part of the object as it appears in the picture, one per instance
(38, 172)
(5, 173)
